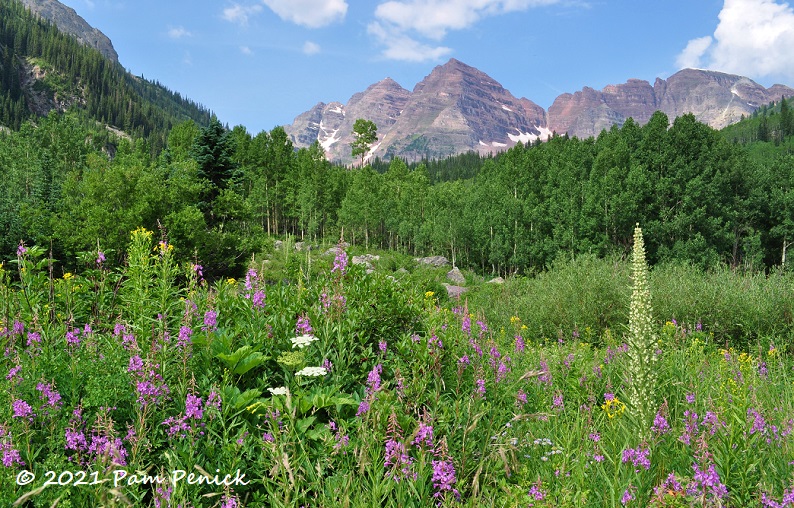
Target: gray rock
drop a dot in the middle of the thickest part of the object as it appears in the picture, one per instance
(455, 291)
(333, 251)
(433, 261)
(304, 246)
(365, 259)
(496, 280)
(456, 276)
(278, 245)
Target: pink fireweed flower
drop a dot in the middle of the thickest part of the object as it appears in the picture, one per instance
(521, 397)
(48, 393)
(340, 262)
(100, 258)
(519, 344)
(373, 379)
(21, 250)
(22, 410)
(628, 496)
(444, 479)
(363, 407)
(193, 407)
(660, 425)
(480, 387)
(210, 321)
(397, 461)
(424, 436)
(303, 327)
(72, 337)
(33, 338)
(183, 339)
(13, 374)
(557, 402)
(258, 300)
(638, 457)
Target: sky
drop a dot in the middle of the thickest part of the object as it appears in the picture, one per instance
(261, 63)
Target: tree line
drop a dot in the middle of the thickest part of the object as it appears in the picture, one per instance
(219, 195)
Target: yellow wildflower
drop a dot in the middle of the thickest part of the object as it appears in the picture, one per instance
(429, 294)
(68, 276)
(231, 281)
(614, 407)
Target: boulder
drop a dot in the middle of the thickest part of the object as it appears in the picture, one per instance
(496, 280)
(433, 261)
(278, 245)
(455, 291)
(456, 276)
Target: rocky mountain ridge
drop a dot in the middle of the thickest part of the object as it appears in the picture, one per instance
(68, 21)
(458, 108)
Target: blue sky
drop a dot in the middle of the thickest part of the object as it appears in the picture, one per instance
(260, 63)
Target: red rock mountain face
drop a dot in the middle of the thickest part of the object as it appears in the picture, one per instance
(458, 108)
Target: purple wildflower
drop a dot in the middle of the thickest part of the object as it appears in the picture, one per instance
(22, 409)
(303, 327)
(183, 339)
(193, 407)
(340, 262)
(100, 258)
(362, 408)
(519, 344)
(258, 300)
(660, 425)
(210, 321)
(444, 478)
(480, 387)
(424, 436)
(21, 250)
(638, 457)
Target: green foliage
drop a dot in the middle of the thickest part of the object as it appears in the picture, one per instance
(365, 133)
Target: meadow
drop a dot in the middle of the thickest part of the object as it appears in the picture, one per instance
(310, 382)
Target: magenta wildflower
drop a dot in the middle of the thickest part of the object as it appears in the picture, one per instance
(100, 258)
(303, 327)
(660, 425)
(638, 457)
(628, 496)
(373, 379)
(521, 397)
(210, 321)
(13, 374)
(557, 402)
(18, 328)
(382, 346)
(327, 365)
(340, 262)
(480, 387)
(33, 338)
(363, 407)
(21, 250)
(258, 300)
(268, 437)
(193, 407)
(135, 364)
(230, 501)
(397, 461)
(22, 409)
(53, 398)
(707, 484)
(72, 337)
(519, 344)
(424, 436)
(183, 339)
(690, 398)
(444, 478)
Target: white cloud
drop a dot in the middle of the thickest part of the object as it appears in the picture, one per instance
(246, 50)
(401, 23)
(177, 32)
(240, 13)
(400, 46)
(310, 13)
(311, 48)
(694, 51)
(754, 38)
(433, 18)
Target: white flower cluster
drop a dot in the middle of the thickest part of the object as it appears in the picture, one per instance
(312, 371)
(303, 341)
(281, 390)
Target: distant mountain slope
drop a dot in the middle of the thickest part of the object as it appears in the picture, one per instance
(69, 22)
(458, 108)
(43, 69)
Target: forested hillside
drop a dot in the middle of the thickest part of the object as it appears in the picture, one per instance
(43, 69)
(219, 195)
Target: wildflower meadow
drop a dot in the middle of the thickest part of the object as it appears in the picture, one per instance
(147, 385)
